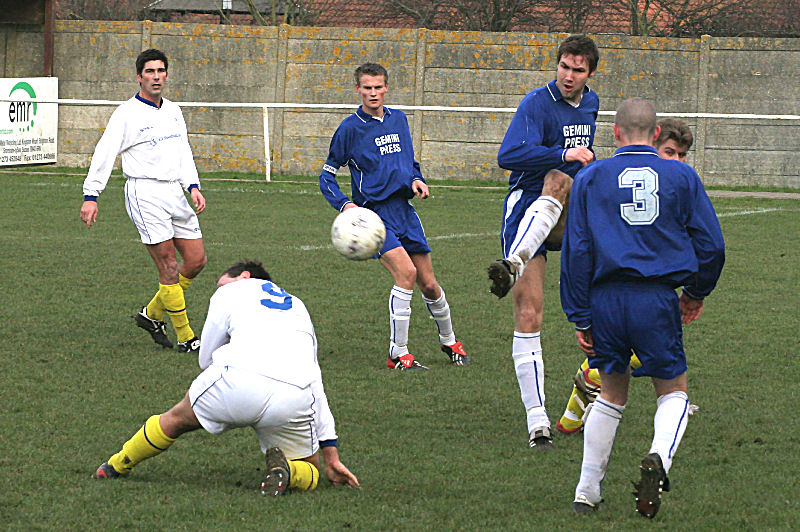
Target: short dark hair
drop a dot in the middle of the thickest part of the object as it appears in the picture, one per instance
(150, 55)
(371, 69)
(580, 45)
(636, 116)
(255, 268)
(677, 130)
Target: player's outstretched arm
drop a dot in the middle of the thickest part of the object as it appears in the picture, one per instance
(690, 308)
(336, 471)
(89, 212)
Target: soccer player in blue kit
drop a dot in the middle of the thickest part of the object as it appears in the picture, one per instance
(638, 227)
(549, 140)
(673, 142)
(375, 144)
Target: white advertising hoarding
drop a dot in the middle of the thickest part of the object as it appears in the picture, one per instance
(28, 130)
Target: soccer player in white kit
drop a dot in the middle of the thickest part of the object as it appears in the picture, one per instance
(259, 361)
(150, 133)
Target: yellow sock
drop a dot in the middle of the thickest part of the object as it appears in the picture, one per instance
(572, 419)
(303, 475)
(149, 441)
(185, 282)
(171, 296)
(155, 309)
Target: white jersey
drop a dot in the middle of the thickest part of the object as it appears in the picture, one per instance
(153, 142)
(256, 326)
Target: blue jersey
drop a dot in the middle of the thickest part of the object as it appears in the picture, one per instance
(544, 127)
(637, 217)
(379, 154)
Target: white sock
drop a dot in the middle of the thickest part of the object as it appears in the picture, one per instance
(399, 316)
(669, 424)
(440, 311)
(540, 218)
(599, 432)
(528, 363)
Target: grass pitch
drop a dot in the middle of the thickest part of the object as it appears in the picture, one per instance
(446, 448)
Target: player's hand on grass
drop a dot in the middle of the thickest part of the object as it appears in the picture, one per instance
(89, 212)
(585, 341)
(690, 308)
(581, 154)
(339, 475)
(420, 188)
(198, 200)
(336, 471)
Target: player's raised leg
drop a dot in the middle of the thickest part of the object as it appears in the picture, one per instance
(435, 300)
(669, 425)
(541, 216)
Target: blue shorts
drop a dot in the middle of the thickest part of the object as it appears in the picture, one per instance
(516, 203)
(637, 317)
(403, 226)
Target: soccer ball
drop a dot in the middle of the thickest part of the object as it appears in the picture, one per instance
(358, 233)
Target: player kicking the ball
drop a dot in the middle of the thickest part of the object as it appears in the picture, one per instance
(375, 144)
(259, 361)
(549, 140)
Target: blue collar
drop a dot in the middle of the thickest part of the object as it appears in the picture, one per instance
(148, 102)
(556, 94)
(366, 116)
(636, 149)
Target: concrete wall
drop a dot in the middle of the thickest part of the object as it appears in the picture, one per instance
(217, 63)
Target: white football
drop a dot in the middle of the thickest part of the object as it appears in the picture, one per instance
(358, 233)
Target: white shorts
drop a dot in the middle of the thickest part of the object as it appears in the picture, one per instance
(224, 398)
(159, 210)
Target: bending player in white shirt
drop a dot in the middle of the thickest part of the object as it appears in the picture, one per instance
(259, 361)
(150, 134)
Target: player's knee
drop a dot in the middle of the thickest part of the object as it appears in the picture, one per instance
(528, 317)
(196, 265)
(557, 184)
(406, 277)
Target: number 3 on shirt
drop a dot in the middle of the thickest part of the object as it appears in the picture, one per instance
(278, 298)
(644, 209)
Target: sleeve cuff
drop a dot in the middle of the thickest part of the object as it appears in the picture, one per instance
(89, 198)
(690, 295)
(329, 443)
(583, 325)
(193, 185)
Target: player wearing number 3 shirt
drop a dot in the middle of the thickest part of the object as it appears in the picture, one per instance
(375, 144)
(638, 227)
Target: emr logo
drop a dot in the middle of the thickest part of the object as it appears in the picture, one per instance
(22, 112)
